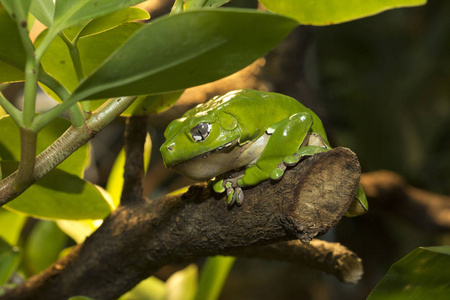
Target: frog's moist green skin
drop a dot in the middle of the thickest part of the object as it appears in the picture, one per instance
(245, 129)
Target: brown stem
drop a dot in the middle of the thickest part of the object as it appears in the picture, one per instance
(331, 258)
(141, 237)
(135, 134)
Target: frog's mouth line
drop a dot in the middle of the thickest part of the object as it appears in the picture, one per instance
(226, 146)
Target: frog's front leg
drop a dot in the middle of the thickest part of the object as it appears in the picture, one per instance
(286, 138)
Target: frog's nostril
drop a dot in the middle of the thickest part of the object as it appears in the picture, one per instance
(170, 148)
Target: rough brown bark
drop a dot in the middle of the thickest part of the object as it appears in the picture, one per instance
(141, 237)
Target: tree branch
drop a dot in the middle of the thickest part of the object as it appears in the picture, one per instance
(388, 191)
(141, 237)
(331, 258)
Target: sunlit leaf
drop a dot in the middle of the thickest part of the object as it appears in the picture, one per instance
(215, 3)
(43, 245)
(69, 12)
(10, 144)
(182, 285)
(114, 186)
(43, 10)
(93, 51)
(114, 19)
(422, 274)
(151, 288)
(78, 230)
(327, 12)
(11, 225)
(183, 50)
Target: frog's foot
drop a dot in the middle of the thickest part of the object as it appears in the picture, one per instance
(233, 189)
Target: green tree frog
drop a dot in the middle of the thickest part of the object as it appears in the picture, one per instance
(258, 132)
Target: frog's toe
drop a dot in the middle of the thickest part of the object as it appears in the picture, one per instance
(276, 174)
(291, 160)
(218, 186)
(239, 196)
(231, 196)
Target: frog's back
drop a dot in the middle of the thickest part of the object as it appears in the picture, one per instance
(261, 109)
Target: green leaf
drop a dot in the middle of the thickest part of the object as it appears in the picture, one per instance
(12, 54)
(69, 12)
(43, 245)
(10, 144)
(151, 288)
(213, 276)
(9, 261)
(215, 3)
(114, 19)
(60, 195)
(43, 10)
(422, 274)
(93, 51)
(328, 12)
(11, 225)
(183, 50)
(182, 285)
(151, 104)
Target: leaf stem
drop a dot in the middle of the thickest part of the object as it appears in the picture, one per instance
(77, 115)
(76, 61)
(15, 114)
(27, 158)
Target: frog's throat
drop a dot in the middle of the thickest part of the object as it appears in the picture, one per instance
(214, 163)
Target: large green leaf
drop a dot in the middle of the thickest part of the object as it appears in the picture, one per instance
(43, 246)
(12, 54)
(184, 50)
(60, 195)
(10, 144)
(11, 225)
(93, 51)
(422, 274)
(43, 10)
(70, 12)
(327, 12)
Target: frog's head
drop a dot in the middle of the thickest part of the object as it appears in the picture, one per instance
(196, 137)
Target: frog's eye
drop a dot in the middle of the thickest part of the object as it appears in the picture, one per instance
(200, 131)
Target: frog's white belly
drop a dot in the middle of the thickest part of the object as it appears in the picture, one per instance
(209, 165)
